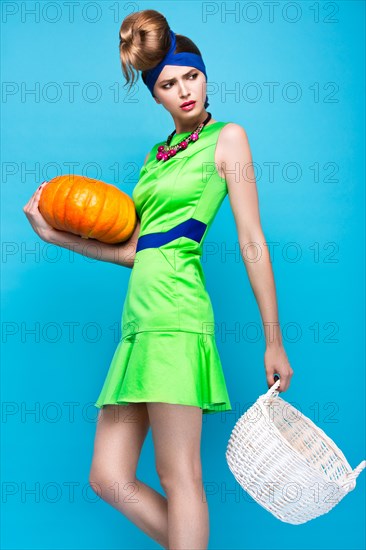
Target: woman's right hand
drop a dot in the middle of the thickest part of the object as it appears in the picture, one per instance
(43, 229)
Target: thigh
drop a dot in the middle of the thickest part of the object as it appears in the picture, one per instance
(120, 434)
(176, 432)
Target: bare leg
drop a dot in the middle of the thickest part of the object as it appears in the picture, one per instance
(120, 434)
(176, 431)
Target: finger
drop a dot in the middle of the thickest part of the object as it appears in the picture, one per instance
(27, 206)
(282, 384)
(40, 188)
(270, 379)
(286, 382)
(37, 195)
(30, 203)
(43, 184)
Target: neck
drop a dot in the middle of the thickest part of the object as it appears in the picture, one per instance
(182, 126)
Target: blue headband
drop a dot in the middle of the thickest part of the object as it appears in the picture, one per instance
(183, 59)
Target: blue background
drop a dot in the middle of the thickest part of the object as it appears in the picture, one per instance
(313, 208)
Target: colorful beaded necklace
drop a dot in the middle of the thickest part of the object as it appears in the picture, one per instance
(165, 152)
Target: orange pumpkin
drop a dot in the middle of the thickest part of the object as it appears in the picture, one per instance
(89, 208)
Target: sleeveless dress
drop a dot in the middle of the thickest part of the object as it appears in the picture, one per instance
(167, 352)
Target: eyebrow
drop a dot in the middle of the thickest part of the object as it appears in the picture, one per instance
(173, 79)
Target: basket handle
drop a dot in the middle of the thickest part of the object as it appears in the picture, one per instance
(351, 476)
(273, 389)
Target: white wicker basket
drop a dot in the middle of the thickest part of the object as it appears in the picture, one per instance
(287, 463)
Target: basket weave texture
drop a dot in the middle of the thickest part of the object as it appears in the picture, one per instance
(286, 463)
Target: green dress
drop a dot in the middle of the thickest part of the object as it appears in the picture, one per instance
(167, 352)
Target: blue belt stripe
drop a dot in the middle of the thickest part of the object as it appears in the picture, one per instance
(192, 229)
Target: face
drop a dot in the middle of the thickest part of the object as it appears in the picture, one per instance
(177, 85)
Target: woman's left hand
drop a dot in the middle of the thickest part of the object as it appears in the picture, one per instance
(276, 362)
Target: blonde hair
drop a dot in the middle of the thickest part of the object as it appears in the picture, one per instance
(144, 40)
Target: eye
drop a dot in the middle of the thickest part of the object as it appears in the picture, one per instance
(170, 83)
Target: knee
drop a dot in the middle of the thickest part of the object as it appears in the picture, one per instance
(110, 485)
(179, 478)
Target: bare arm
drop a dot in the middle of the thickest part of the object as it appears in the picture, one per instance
(237, 165)
(120, 253)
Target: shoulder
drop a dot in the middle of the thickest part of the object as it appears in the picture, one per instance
(231, 133)
(231, 141)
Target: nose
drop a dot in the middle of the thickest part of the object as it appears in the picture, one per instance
(183, 91)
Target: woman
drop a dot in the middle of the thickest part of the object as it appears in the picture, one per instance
(174, 373)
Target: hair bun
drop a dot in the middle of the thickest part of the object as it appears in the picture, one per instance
(144, 40)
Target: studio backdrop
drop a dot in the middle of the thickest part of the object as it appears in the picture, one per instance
(292, 75)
